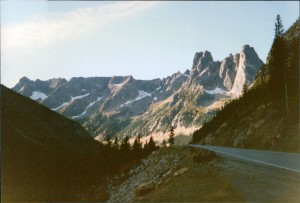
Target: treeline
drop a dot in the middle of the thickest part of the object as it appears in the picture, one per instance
(121, 156)
(277, 83)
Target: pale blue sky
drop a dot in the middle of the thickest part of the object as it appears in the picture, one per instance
(42, 40)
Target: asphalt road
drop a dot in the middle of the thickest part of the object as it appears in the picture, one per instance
(288, 161)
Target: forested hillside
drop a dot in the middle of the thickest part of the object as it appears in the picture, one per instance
(266, 116)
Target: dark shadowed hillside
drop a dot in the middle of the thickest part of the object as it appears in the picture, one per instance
(45, 156)
(266, 116)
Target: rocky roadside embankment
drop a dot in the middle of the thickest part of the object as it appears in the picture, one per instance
(187, 174)
(154, 171)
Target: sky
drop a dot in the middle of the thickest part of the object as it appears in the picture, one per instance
(51, 39)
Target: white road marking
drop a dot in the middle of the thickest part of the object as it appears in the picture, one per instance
(257, 161)
(241, 157)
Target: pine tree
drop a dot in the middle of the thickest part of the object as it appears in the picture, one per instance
(125, 146)
(145, 148)
(125, 150)
(151, 145)
(137, 146)
(277, 67)
(245, 88)
(171, 138)
(278, 27)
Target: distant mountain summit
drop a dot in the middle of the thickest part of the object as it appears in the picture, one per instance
(229, 74)
(123, 106)
(247, 67)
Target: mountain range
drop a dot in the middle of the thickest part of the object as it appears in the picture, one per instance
(124, 106)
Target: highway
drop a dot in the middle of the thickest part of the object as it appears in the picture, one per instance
(287, 161)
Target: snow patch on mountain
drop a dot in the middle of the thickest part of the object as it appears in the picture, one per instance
(142, 94)
(21, 89)
(37, 95)
(89, 106)
(72, 99)
(217, 90)
(118, 85)
(158, 88)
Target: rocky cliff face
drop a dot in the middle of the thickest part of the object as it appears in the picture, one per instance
(228, 70)
(229, 74)
(204, 71)
(249, 64)
(124, 106)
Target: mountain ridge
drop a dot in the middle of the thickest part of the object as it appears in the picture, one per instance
(105, 106)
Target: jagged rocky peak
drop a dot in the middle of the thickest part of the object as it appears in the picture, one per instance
(21, 84)
(187, 72)
(24, 79)
(247, 47)
(248, 55)
(204, 61)
(208, 55)
(200, 62)
(226, 64)
(128, 78)
(248, 65)
(228, 71)
(205, 71)
(175, 81)
(56, 82)
(197, 56)
(117, 81)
